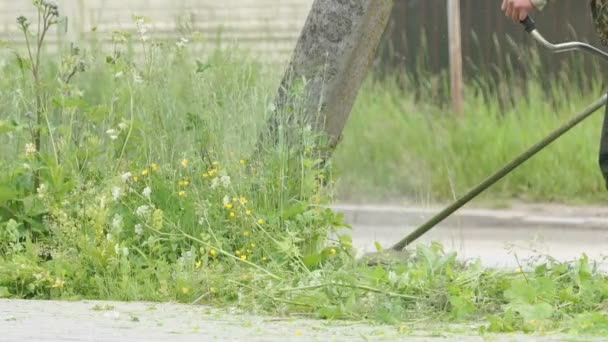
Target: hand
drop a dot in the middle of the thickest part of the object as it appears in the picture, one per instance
(517, 9)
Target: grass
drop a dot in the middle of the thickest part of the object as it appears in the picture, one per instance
(144, 187)
(395, 146)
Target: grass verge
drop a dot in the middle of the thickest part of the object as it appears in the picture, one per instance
(142, 188)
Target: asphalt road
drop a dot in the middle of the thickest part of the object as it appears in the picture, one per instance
(499, 238)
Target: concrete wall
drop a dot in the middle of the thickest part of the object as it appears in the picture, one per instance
(268, 27)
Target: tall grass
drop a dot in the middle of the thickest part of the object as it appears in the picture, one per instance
(395, 147)
(403, 141)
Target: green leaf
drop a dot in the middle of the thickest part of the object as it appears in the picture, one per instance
(378, 246)
(312, 260)
(294, 210)
(520, 292)
(346, 241)
(7, 194)
(33, 206)
(462, 308)
(202, 67)
(6, 127)
(531, 312)
(4, 292)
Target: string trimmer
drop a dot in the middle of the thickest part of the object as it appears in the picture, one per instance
(530, 27)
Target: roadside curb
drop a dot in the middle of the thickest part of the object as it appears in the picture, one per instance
(518, 217)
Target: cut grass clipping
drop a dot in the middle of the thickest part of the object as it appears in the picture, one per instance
(130, 177)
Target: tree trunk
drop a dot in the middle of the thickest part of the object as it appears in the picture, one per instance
(331, 59)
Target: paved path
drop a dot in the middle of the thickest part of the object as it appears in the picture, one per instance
(493, 235)
(44, 321)
(563, 232)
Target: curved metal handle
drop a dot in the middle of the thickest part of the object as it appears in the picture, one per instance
(530, 27)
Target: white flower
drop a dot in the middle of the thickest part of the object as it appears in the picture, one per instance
(181, 42)
(215, 182)
(112, 133)
(139, 229)
(41, 191)
(137, 78)
(109, 237)
(142, 210)
(123, 126)
(146, 192)
(30, 149)
(226, 200)
(126, 176)
(118, 74)
(117, 249)
(225, 181)
(125, 251)
(117, 223)
(116, 193)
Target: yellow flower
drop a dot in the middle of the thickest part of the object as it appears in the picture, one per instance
(228, 205)
(246, 233)
(135, 178)
(213, 252)
(198, 264)
(58, 283)
(185, 290)
(242, 161)
(216, 163)
(252, 245)
(242, 200)
(332, 251)
(157, 219)
(184, 162)
(237, 252)
(232, 214)
(248, 212)
(144, 172)
(183, 182)
(298, 333)
(212, 289)
(154, 166)
(261, 221)
(243, 257)
(182, 193)
(205, 175)
(264, 258)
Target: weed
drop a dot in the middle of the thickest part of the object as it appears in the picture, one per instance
(148, 192)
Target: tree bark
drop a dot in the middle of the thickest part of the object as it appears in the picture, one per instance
(330, 61)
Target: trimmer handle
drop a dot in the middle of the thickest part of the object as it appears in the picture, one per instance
(530, 27)
(529, 24)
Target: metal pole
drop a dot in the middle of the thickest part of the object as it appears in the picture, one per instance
(501, 173)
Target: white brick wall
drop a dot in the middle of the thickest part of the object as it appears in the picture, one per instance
(269, 27)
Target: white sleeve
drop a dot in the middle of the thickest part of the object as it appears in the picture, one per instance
(539, 4)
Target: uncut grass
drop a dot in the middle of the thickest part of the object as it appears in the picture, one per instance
(398, 147)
